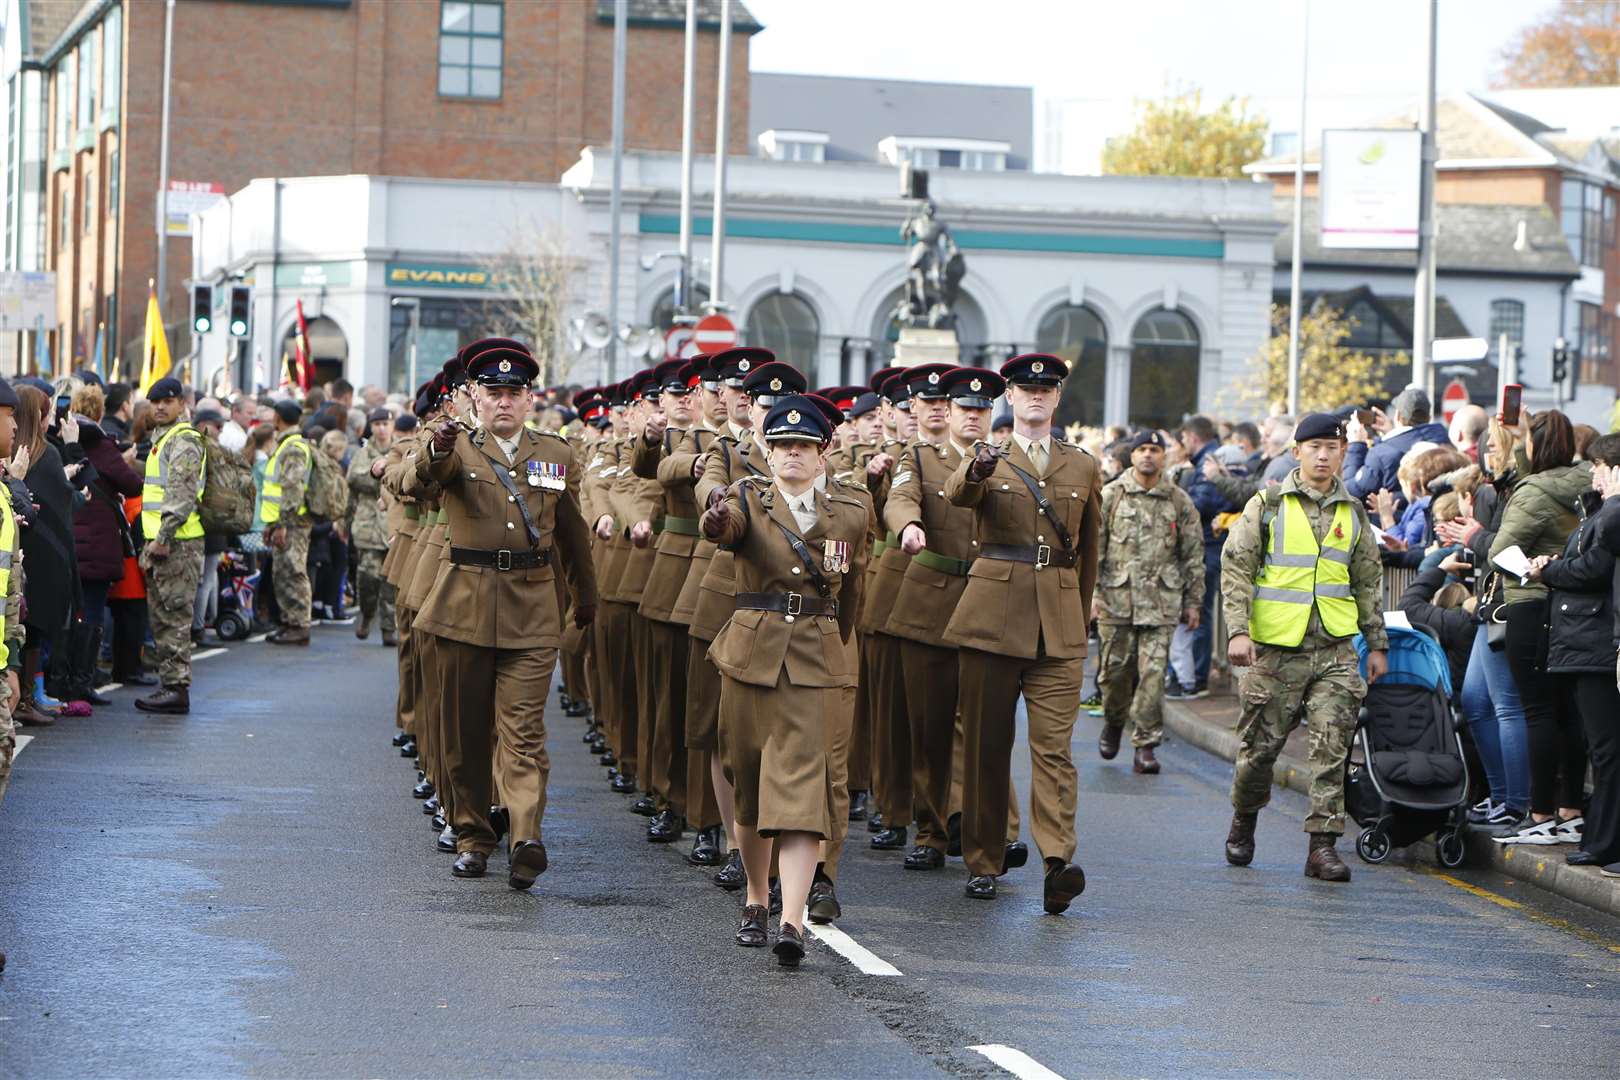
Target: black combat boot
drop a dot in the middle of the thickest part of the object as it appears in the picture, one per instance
(1240, 840)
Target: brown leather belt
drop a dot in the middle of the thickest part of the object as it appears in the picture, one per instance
(500, 560)
(1037, 554)
(787, 603)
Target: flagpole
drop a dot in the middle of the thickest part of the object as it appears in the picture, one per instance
(163, 158)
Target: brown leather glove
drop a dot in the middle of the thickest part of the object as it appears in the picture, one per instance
(984, 463)
(715, 520)
(444, 437)
(584, 615)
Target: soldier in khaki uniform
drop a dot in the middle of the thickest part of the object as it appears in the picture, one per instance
(1150, 573)
(513, 511)
(866, 420)
(369, 507)
(615, 710)
(1021, 626)
(783, 658)
(404, 525)
(1300, 577)
(287, 525)
(173, 556)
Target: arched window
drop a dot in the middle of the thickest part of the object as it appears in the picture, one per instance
(1076, 335)
(663, 312)
(1164, 369)
(786, 324)
(327, 346)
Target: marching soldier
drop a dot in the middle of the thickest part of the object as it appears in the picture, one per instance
(611, 630)
(287, 525)
(1021, 627)
(513, 511)
(798, 562)
(638, 501)
(404, 525)
(1150, 576)
(173, 556)
(1300, 576)
(367, 529)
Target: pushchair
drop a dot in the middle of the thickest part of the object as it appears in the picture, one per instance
(238, 588)
(1412, 779)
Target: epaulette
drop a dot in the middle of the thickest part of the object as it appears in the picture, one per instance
(559, 436)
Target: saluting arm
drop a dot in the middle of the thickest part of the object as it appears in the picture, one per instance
(963, 488)
(645, 455)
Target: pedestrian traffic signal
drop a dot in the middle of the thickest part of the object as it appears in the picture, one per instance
(241, 303)
(202, 308)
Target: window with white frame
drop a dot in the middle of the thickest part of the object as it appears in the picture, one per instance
(972, 155)
(782, 145)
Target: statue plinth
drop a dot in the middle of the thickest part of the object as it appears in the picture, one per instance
(920, 345)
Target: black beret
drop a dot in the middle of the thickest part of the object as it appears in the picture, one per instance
(379, 413)
(797, 416)
(973, 388)
(1147, 438)
(405, 422)
(500, 362)
(288, 410)
(926, 381)
(208, 416)
(773, 380)
(864, 404)
(8, 396)
(164, 388)
(1318, 426)
(1034, 369)
(732, 366)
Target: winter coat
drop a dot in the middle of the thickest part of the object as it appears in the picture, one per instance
(1455, 627)
(1367, 470)
(99, 526)
(51, 587)
(1581, 627)
(1540, 515)
(1205, 495)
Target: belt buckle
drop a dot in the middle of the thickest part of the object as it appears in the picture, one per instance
(1043, 556)
(503, 559)
(795, 603)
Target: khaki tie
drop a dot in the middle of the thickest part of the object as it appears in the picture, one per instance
(1037, 458)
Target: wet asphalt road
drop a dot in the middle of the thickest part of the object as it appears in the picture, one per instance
(250, 891)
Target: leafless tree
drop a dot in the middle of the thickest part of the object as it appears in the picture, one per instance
(534, 279)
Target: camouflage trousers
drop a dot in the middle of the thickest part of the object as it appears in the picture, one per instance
(1325, 685)
(375, 594)
(171, 601)
(1130, 674)
(289, 567)
(8, 739)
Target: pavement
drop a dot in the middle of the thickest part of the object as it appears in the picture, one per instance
(249, 891)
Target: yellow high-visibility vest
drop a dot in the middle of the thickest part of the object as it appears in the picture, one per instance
(8, 551)
(152, 490)
(1299, 574)
(270, 504)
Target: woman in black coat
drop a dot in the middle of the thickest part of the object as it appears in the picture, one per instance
(1581, 644)
(51, 585)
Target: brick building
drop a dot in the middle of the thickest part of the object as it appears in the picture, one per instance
(463, 89)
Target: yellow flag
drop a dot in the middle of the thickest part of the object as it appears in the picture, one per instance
(157, 362)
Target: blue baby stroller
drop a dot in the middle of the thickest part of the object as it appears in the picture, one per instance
(1412, 779)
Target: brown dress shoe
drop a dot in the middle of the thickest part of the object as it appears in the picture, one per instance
(754, 930)
(1240, 840)
(1108, 741)
(789, 948)
(1064, 881)
(470, 864)
(290, 635)
(174, 700)
(1145, 762)
(528, 863)
(1323, 862)
(30, 715)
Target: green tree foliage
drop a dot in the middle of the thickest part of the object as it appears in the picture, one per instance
(1331, 375)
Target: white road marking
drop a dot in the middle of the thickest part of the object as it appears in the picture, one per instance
(22, 741)
(109, 688)
(206, 653)
(258, 637)
(1016, 1062)
(866, 961)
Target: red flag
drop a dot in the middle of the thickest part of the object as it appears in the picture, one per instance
(306, 363)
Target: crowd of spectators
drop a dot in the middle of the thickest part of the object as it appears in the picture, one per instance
(1533, 654)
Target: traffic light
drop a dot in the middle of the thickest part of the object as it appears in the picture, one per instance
(241, 304)
(202, 308)
(1560, 362)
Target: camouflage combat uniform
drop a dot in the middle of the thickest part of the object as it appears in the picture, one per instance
(171, 581)
(1320, 677)
(370, 539)
(1150, 569)
(289, 564)
(11, 649)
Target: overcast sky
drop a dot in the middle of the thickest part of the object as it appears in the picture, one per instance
(1121, 50)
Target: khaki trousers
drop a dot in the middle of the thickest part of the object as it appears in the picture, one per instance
(616, 675)
(494, 709)
(929, 675)
(638, 698)
(663, 692)
(860, 740)
(891, 732)
(405, 702)
(840, 734)
(988, 690)
(702, 721)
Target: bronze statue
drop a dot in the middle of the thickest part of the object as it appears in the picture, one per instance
(935, 268)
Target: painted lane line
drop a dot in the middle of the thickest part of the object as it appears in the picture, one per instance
(206, 653)
(22, 741)
(109, 688)
(1533, 915)
(1016, 1062)
(256, 638)
(866, 961)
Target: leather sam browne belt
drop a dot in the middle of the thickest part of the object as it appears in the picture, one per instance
(1037, 554)
(500, 560)
(787, 603)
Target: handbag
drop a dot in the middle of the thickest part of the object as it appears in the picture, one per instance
(1493, 612)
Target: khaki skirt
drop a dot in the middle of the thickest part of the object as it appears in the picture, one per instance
(775, 745)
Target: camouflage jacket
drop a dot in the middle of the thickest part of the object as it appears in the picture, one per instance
(293, 475)
(1245, 553)
(1150, 554)
(182, 479)
(366, 518)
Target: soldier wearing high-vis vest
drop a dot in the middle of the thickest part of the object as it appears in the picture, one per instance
(11, 624)
(287, 524)
(173, 556)
(1300, 577)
